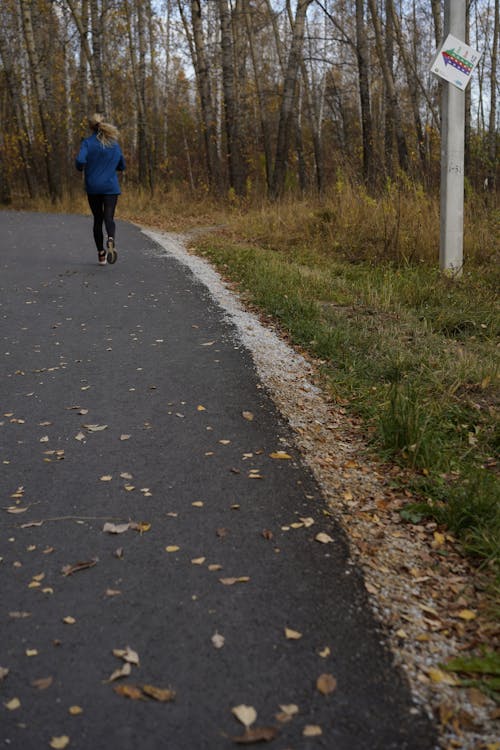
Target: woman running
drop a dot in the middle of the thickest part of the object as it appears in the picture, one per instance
(101, 157)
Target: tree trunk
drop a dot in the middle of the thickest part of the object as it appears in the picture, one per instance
(234, 152)
(492, 132)
(364, 94)
(206, 101)
(96, 26)
(288, 100)
(389, 109)
(42, 97)
(391, 89)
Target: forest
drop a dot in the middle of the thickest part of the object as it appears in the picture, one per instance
(237, 98)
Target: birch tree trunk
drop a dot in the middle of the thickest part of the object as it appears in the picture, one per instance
(391, 89)
(288, 100)
(364, 94)
(234, 152)
(492, 131)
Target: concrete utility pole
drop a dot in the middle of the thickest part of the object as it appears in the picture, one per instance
(452, 155)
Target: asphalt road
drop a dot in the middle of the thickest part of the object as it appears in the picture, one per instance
(122, 397)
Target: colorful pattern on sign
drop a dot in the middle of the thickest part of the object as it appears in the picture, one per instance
(450, 57)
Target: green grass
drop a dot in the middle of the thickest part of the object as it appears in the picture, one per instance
(411, 351)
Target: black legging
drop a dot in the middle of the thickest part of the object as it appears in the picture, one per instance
(103, 209)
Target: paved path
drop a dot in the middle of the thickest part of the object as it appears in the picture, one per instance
(141, 348)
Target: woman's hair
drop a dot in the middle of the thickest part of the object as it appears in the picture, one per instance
(107, 134)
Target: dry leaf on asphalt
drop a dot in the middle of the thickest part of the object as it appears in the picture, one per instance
(13, 704)
(247, 415)
(268, 534)
(75, 710)
(245, 714)
(287, 713)
(255, 735)
(326, 684)
(232, 581)
(127, 654)
(129, 691)
(292, 635)
(116, 528)
(59, 743)
(172, 548)
(280, 455)
(69, 620)
(42, 683)
(198, 560)
(121, 672)
(312, 730)
(163, 695)
(218, 640)
(68, 570)
(323, 538)
(3, 673)
(95, 427)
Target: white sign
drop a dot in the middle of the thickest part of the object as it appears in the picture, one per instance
(455, 62)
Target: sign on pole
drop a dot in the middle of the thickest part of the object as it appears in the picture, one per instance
(455, 62)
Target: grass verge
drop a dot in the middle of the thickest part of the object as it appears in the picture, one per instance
(413, 352)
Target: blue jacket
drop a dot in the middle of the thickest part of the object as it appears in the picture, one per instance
(100, 164)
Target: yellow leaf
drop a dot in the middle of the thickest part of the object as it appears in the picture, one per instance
(324, 652)
(437, 676)
(164, 695)
(69, 620)
(438, 539)
(59, 743)
(247, 415)
(198, 504)
(312, 730)
(75, 710)
(245, 714)
(106, 478)
(292, 635)
(13, 704)
(467, 614)
(172, 548)
(31, 652)
(280, 455)
(200, 408)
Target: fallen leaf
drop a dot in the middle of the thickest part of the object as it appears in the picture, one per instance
(126, 475)
(198, 560)
(16, 509)
(232, 581)
(218, 640)
(123, 671)
(200, 408)
(13, 704)
(68, 570)
(437, 676)
(59, 743)
(95, 427)
(118, 553)
(268, 534)
(31, 652)
(30, 524)
(307, 522)
(142, 526)
(467, 614)
(113, 592)
(323, 538)
(19, 615)
(290, 709)
(116, 528)
(125, 437)
(172, 548)
(326, 684)
(197, 504)
(75, 710)
(129, 691)
(69, 620)
(245, 714)
(324, 652)
(255, 735)
(280, 455)
(42, 683)
(292, 635)
(163, 695)
(127, 654)
(221, 533)
(80, 436)
(44, 439)
(214, 566)
(3, 673)
(312, 730)
(106, 478)
(247, 415)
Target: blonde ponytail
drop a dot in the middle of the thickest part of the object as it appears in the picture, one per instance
(107, 134)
